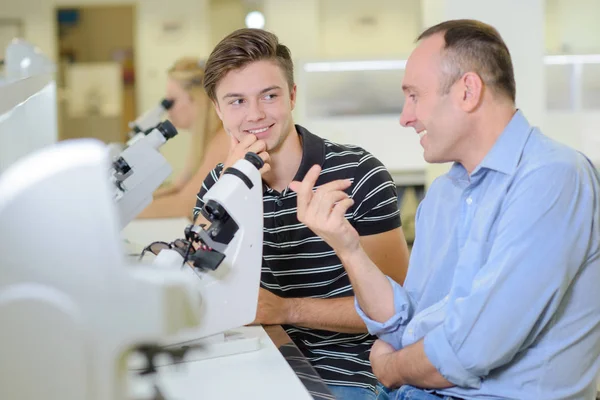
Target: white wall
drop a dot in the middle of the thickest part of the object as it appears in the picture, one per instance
(296, 23)
(37, 20)
(225, 17)
(573, 26)
(368, 29)
(576, 129)
(157, 48)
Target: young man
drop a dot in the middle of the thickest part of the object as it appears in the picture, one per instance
(304, 287)
(501, 300)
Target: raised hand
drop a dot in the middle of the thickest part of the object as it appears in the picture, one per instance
(249, 143)
(323, 211)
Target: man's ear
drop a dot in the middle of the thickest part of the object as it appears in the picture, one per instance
(293, 96)
(471, 91)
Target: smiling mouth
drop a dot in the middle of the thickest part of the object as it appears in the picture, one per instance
(422, 133)
(259, 130)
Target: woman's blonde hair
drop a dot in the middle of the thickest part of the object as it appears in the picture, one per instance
(189, 73)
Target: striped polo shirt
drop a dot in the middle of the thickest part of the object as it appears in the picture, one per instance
(298, 263)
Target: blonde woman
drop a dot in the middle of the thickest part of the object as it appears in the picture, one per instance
(194, 112)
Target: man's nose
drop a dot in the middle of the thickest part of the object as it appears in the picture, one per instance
(407, 116)
(255, 112)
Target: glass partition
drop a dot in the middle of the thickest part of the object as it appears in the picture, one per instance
(373, 87)
(359, 88)
(28, 118)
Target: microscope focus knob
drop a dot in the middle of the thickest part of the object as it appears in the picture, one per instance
(167, 129)
(121, 166)
(254, 159)
(214, 209)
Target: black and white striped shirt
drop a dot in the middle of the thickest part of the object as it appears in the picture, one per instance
(298, 263)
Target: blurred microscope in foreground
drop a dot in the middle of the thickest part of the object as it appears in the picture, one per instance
(74, 310)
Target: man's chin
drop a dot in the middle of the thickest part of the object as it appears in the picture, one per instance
(431, 158)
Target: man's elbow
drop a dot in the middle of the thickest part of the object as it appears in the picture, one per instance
(480, 362)
(477, 364)
(464, 367)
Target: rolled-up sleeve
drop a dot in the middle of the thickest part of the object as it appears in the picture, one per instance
(517, 289)
(441, 354)
(391, 330)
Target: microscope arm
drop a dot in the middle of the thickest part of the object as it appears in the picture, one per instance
(228, 261)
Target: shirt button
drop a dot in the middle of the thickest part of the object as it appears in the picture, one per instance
(279, 202)
(469, 200)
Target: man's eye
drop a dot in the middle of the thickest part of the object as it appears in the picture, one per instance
(237, 102)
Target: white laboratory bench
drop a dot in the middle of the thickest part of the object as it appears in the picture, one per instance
(259, 374)
(142, 232)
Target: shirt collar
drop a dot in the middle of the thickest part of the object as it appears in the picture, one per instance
(313, 152)
(505, 154)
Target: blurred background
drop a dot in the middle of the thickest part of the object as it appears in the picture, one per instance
(112, 57)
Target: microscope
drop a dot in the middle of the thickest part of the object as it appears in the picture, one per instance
(139, 170)
(144, 124)
(72, 309)
(222, 259)
(224, 256)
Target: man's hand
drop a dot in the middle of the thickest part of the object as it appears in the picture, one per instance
(249, 143)
(272, 309)
(381, 362)
(324, 211)
(408, 366)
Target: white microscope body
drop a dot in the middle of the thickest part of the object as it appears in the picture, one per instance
(227, 265)
(71, 309)
(227, 277)
(147, 121)
(139, 170)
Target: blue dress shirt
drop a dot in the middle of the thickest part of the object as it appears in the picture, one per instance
(504, 277)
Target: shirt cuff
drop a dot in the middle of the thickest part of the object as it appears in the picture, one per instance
(391, 330)
(441, 354)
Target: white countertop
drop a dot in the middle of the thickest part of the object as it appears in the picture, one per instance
(145, 231)
(261, 374)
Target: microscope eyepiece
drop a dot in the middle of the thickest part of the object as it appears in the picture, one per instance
(166, 103)
(254, 160)
(167, 129)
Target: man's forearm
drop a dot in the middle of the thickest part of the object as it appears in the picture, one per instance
(371, 287)
(410, 366)
(336, 315)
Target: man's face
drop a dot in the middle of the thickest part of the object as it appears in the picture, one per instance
(256, 100)
(183, 111)
(436, 117)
